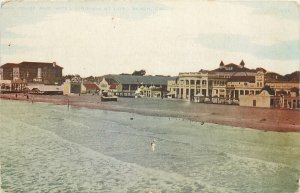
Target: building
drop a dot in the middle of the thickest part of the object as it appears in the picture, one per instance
(152, 91)
(44, 89)
(229, 83)
(264, 99)
(126, 85)
(72, 87)
(76, 86)
(32, 72)
(89, 88)
(226, 81)
(281, 87)
(105, 87)
(187, 85)
(15, 77)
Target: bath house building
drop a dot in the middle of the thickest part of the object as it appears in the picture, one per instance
(126, 85)
(227, 81)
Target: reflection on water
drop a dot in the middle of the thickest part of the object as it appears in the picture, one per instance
(46, 148)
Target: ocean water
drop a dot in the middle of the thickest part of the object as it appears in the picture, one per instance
(48, 148)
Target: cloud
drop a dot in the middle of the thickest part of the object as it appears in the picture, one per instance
(280, 9)
(285, 50)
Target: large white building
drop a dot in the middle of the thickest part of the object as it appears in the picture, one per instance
(227, 81)
(230, 82)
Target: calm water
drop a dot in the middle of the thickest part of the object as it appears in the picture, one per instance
(48, 148)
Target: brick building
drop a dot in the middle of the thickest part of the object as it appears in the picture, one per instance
(32, 72)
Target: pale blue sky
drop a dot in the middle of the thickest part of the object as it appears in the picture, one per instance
(162, 37)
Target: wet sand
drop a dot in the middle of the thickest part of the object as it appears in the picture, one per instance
(281, 120)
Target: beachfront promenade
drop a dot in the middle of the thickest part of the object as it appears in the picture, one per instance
(283, 120)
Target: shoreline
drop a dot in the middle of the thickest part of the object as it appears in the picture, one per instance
(279, 120)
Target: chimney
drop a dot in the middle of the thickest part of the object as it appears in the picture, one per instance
(54, 64)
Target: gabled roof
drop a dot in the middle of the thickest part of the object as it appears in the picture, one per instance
(91, 86)
(131, 79)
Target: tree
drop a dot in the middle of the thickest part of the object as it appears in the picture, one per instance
(270, 90)
(139, 73)
(69, 76)
(295, 76)
(90, 79)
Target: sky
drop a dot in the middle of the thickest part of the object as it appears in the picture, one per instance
(163, 37)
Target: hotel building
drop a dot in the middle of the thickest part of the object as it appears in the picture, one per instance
(17, 76)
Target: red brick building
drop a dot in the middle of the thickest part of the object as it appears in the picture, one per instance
(32, 72)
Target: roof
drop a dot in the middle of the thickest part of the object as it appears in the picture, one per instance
(45, 88)
(53, 64)
(230, 73)
(41, 63)
(12, 65)
(113, 86)
(234, 68)
(148, 80)
(294, 89)
(281, 81)
(91, 86)
(250, 79)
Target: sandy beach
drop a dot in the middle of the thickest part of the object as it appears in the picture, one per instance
(281, 120)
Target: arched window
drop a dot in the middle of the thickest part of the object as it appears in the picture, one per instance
(187, 82)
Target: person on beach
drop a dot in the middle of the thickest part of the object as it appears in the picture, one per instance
(153, 145)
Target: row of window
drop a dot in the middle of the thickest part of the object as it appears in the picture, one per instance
(193, 82)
